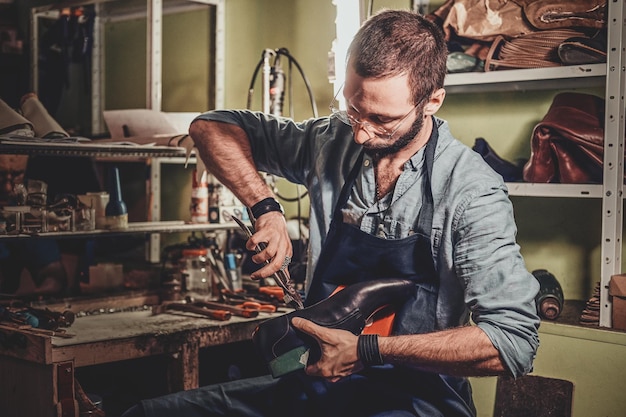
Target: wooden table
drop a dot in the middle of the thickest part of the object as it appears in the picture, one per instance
(37, 371)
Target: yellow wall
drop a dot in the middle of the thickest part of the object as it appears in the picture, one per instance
(593, 360)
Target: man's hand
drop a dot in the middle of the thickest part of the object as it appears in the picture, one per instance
(271, 229)
(339, 358)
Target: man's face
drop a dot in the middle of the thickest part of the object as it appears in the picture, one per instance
(12, 169)
(382, 105)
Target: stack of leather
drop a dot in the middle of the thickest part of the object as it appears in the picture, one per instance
(534, 50)
(31, 119)
(487, 35)
(590, 315)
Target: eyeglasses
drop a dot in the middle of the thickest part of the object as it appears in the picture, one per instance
(374, 128)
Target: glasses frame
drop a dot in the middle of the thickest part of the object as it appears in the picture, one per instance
(368, 126)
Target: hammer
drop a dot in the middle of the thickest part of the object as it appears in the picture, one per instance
(214, 314)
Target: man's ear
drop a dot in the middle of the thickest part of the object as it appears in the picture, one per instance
(434, 102)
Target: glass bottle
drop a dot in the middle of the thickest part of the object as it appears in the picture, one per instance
(115, 211)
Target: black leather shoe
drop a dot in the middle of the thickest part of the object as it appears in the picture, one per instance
(509, 171)
(286, 349)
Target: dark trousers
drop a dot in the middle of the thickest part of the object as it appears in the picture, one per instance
(375, 393)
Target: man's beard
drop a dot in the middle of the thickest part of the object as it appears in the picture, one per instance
(386, 149)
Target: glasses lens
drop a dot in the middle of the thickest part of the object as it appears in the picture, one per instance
(352, 121)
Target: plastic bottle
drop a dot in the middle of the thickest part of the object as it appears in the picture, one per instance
(199, 207)
(234, 271)
(550, 297)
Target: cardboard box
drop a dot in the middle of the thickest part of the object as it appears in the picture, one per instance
(617, 291)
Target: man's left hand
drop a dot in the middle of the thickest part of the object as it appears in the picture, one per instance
(339, 358)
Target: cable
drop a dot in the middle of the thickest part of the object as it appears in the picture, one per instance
(292, 61)
(276, 54)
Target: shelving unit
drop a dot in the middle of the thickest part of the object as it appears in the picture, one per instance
(611, 75)
(114, 10)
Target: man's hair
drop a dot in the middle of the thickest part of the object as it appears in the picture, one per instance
(395, 42)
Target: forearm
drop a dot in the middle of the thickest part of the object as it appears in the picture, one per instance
(464, 351)
(225, 150)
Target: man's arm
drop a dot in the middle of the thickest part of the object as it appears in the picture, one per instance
(463, 351)
(225, 150)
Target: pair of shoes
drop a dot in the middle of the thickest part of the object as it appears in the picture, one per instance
(286, 349)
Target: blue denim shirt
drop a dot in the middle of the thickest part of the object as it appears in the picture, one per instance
(482, 273)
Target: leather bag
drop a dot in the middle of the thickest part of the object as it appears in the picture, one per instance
(567, 146)
(555, 14)
(483, 20)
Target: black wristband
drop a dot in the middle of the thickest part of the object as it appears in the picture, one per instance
(367, 350)
(265, 206)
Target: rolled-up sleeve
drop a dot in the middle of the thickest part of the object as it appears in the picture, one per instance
(499, 291)
(279, 145)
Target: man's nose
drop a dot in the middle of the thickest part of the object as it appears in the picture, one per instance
(361, 134)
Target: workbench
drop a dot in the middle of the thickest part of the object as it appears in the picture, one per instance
(48, 362)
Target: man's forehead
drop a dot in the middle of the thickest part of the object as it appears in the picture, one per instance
(13, 162)
(386, 93)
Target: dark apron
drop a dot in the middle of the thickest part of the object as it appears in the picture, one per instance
(350, 255)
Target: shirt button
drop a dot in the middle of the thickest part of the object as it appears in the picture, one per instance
(366, 162)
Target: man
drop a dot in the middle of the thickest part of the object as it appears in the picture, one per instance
(388, 185)
(28, 267)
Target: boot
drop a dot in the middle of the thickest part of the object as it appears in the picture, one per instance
(286, 349)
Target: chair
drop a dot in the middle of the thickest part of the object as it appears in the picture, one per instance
(533, 396)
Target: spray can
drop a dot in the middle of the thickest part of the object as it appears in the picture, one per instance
(199, 207)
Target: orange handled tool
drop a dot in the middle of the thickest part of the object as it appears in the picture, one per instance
(256, 307)
(222, 315)
(236, 310)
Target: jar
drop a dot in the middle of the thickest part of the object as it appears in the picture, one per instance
(196, 276)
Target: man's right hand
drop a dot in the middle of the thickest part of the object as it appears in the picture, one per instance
(271, 229)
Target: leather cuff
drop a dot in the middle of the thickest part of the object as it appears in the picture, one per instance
(367, 350)
(265, 206)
